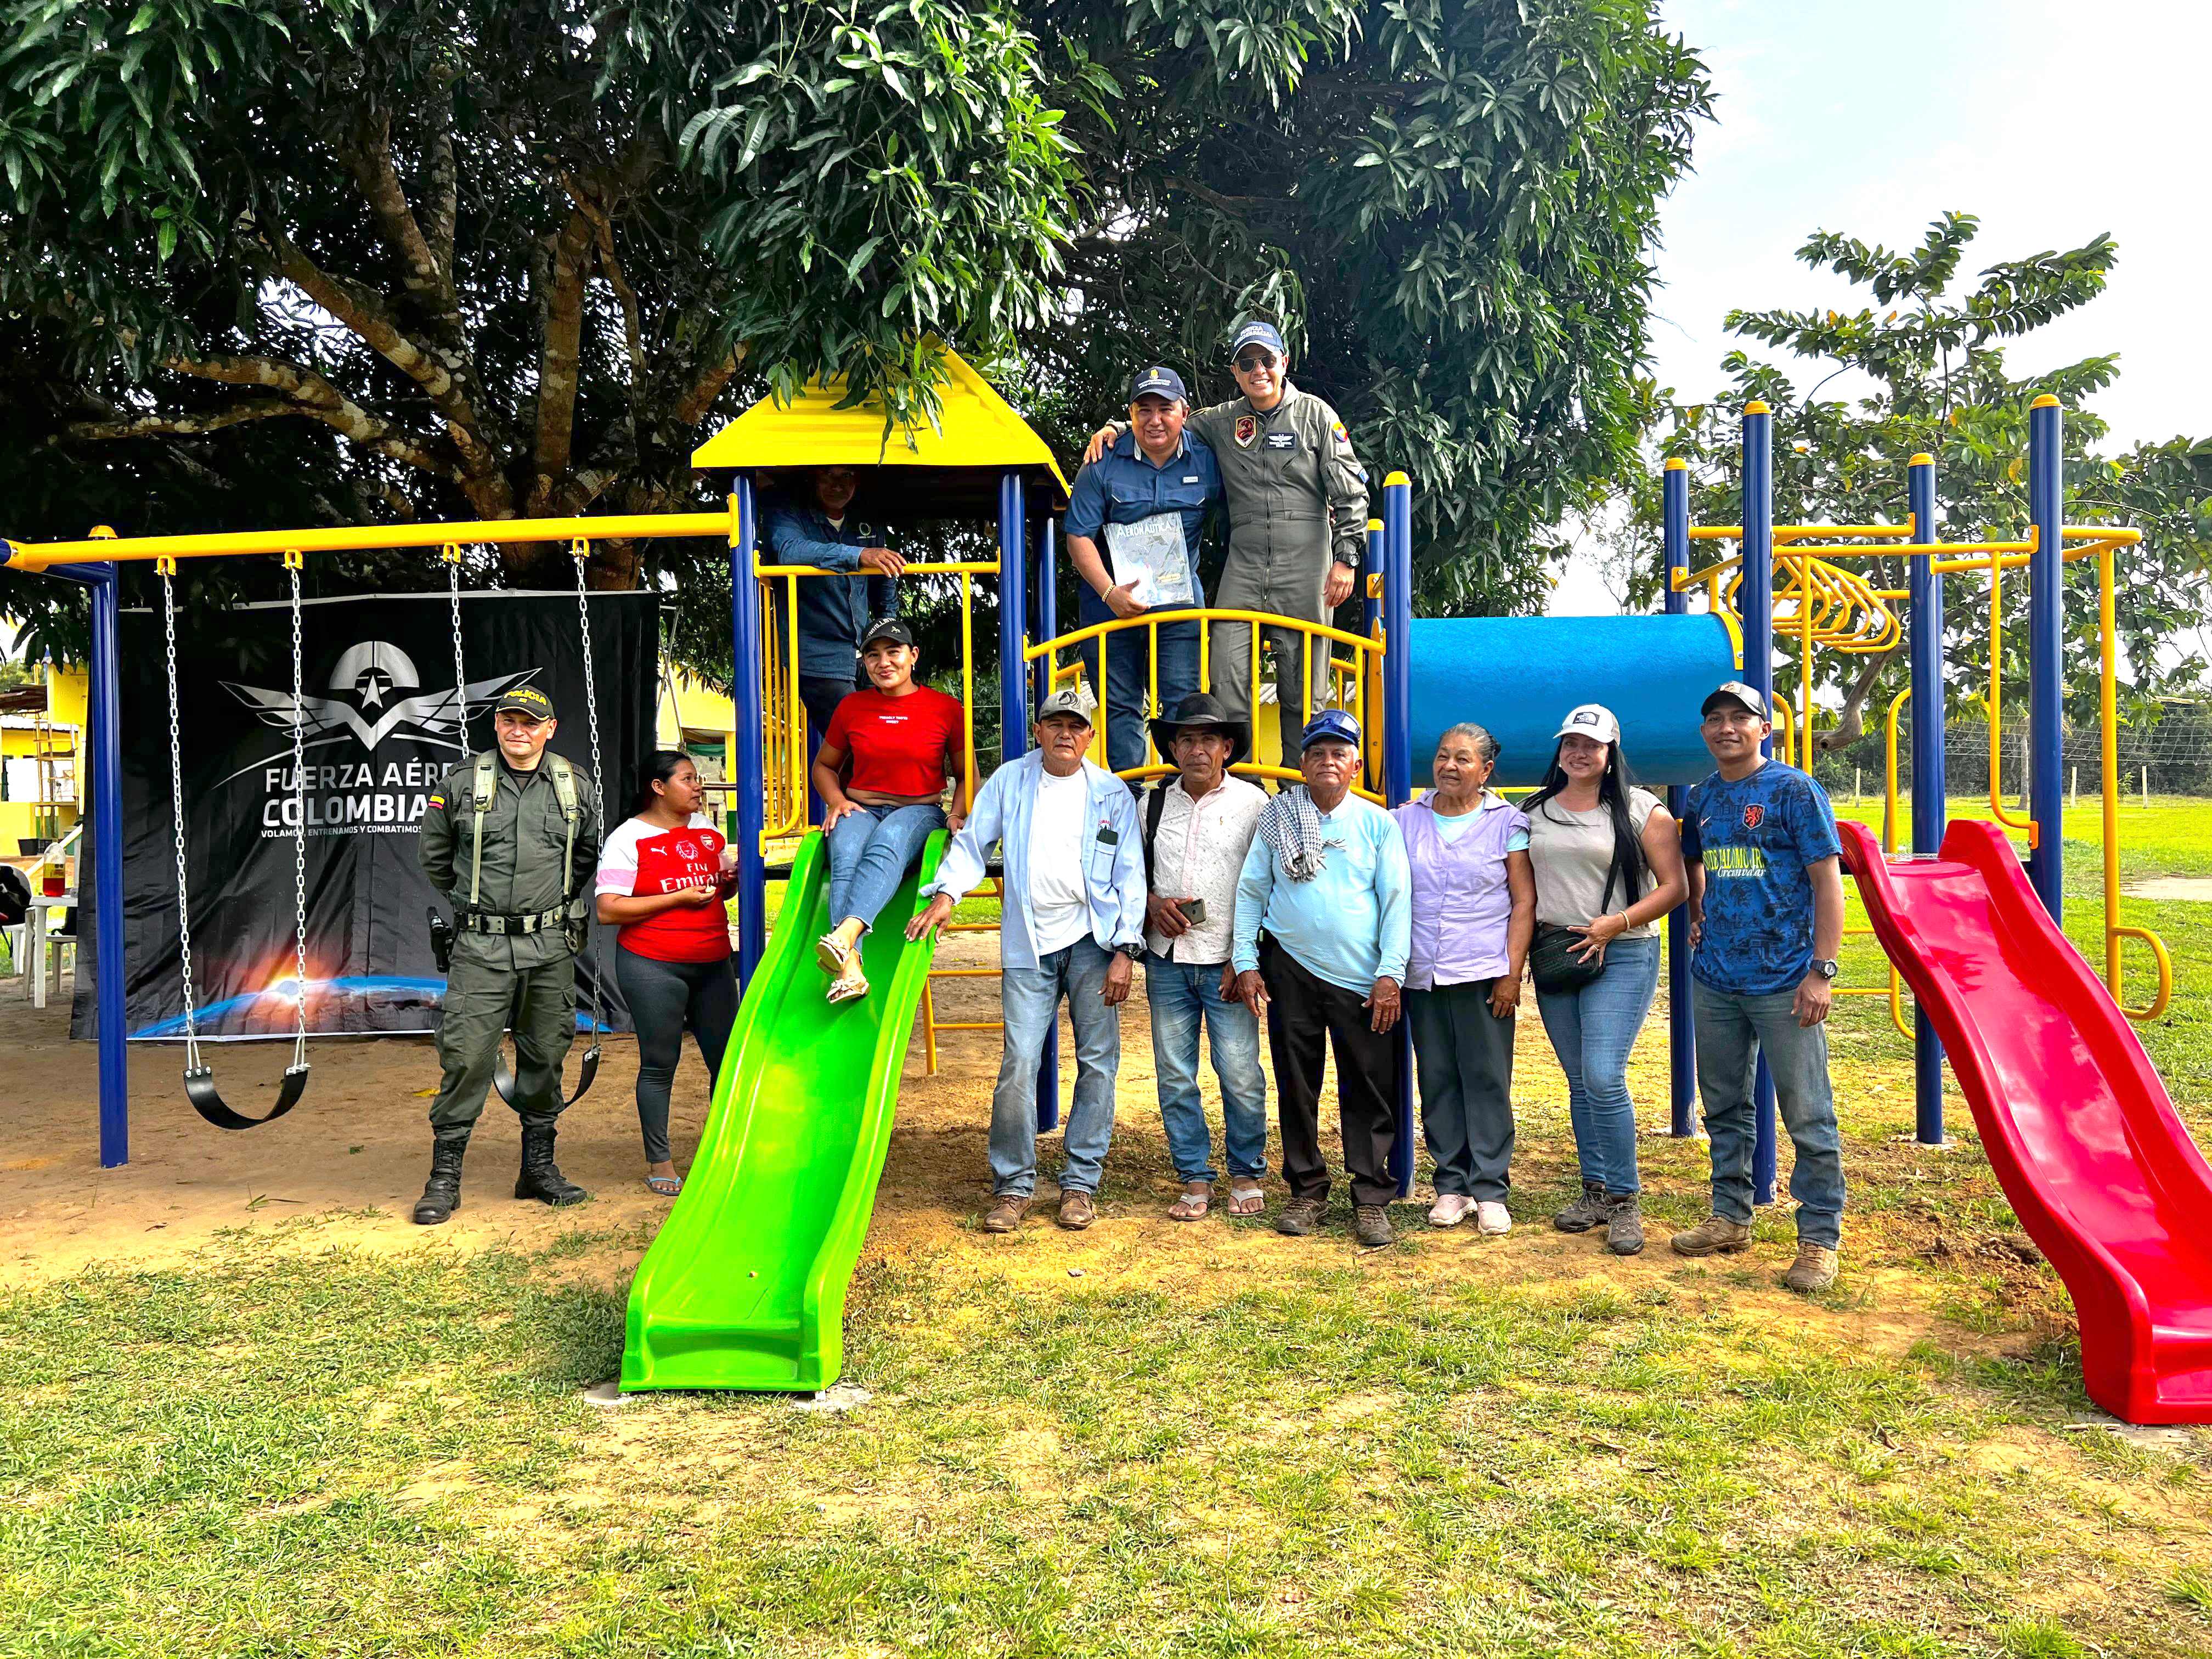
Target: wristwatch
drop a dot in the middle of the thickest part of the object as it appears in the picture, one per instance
(1134, 952)
(1826, 969)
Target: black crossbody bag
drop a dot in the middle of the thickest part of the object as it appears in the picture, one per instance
(1553, 961)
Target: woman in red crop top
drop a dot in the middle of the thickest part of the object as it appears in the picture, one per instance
(664, 878)
(881, 772)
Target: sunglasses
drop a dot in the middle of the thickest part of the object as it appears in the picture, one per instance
(1252, 359)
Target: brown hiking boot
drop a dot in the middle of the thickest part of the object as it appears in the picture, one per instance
(1814, 1270)
(1715, 1235)
(1076, 1212)
(1005, 1213)
(1300, 1218)
(1370, 1225)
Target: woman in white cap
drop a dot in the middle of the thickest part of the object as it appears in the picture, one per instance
(1608, 864)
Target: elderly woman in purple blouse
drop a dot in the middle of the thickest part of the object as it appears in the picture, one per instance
(1474, 915)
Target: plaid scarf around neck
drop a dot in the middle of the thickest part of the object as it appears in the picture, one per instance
(1291, 825)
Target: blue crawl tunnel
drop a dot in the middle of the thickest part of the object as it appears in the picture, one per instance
(1518, 676)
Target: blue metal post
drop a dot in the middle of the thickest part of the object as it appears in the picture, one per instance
(750, 762)
(1014, 712)
(1755, 606)
(1681, 1030)
(1048, 601)
(104, 739)
(1925, 583)
(1397, 747)
(2046, 662)
(1047, 628)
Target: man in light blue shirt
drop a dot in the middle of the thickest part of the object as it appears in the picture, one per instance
(1327, 882)
(1073, 925)
(834, 611)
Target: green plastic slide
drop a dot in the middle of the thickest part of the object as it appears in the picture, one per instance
(744, 1286)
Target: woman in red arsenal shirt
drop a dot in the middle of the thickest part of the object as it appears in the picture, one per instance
(903, 741)
(664, 878)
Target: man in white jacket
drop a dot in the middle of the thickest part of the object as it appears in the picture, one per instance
(1073, 925)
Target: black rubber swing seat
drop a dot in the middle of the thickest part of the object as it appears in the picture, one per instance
(503, 1076)
(207, 1100)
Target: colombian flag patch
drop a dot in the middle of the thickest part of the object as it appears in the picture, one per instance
(437, 800)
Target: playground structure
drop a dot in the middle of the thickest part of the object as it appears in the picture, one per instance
(743, 1287)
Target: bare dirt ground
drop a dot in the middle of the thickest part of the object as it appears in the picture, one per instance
(344, 1168)
(2197, 889)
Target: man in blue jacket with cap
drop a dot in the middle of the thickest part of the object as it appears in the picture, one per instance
(1147, 499)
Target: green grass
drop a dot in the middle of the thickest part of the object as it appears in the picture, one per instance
(330, 1454)
(275, 1448)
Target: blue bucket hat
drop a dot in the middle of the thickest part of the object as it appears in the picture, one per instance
(1329, 724)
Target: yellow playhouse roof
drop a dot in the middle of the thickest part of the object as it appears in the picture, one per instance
(978, 432)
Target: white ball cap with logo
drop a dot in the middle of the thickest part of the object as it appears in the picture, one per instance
(1593, 721)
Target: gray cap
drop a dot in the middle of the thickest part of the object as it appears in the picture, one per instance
(1074, 700)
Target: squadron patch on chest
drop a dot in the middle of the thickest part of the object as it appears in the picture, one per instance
(1247, 427)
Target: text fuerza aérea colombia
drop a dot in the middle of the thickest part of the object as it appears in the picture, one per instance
(360, 797)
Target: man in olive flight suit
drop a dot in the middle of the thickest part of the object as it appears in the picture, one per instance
(1298, 522)
(512, 838)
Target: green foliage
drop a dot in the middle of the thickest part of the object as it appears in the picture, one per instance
(1936, 359)
(1450, 207)
(312, 261)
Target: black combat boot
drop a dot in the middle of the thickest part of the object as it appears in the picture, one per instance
(541, 1178)
(442, 1193)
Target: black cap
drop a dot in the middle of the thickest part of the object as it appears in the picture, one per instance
(527, 700)
(887, 628)
(1199, 712)
(1737, 692)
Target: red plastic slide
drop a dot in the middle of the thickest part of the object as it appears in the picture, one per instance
(2079, 1130)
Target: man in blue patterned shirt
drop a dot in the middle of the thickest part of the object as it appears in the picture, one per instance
(1767, 919)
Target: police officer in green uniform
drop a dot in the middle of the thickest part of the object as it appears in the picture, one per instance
(1298, 523)
(511, 839)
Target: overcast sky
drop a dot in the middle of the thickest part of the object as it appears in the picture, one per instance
(2052, 121)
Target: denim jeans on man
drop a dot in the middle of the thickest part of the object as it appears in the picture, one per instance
(1733, 1031)
(1127, 684)
(870, 852)
(1592, 1028)
(1032, 998)
(1183, 995)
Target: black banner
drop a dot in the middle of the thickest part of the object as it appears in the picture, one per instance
(382, 727)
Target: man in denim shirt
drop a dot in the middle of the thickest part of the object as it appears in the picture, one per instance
(1073, 925)
(1149, 494)
(834, 611)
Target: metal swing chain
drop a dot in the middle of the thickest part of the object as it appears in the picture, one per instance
(167, 569)
(453, 558)
(292, 562)
(581, 550)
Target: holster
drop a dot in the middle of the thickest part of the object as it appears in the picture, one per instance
(441, 939)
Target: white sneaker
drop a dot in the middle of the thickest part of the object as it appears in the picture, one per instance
(1491, 1216)
(1450, 1210)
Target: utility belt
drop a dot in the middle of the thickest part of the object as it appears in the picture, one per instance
(525, 922)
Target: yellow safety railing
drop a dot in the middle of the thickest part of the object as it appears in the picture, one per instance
(1348, 680)
(1831, 608)
(784, 725)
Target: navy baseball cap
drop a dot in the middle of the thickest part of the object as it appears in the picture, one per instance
(1330, 724)
(1258, 333)
(1159, 381)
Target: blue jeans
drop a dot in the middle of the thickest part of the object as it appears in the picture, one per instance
(1032, 998)
(1592, 1028)
(1733, 1031)
(1184, 995)
(870, 852)
(1127, 684)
